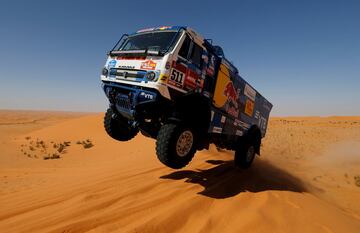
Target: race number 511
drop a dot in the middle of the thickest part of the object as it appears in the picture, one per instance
(177, 77)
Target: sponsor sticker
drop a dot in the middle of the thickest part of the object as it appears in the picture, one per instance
(262, 123)
(163, 78)
(127, 67)
(147, 95)
(249, 107)
(192, 83)
(217, 129)
(111, 64)
(257, 115)
(230, 91)
(148, 65)
(167, 65)
(239, 132)
(241, 124)
(223, 119)
(250, 92)
(233, 111)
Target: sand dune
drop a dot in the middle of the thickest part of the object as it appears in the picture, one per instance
(304, 181)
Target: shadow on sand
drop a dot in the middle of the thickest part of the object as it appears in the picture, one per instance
(225, 180)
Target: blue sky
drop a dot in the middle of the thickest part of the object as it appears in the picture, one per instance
(304, 56)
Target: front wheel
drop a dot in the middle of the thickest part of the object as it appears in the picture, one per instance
(117, 126)
(175, 145)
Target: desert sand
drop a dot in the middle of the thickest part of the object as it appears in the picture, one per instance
(60, 172)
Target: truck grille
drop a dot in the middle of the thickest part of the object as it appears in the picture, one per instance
(130, 75)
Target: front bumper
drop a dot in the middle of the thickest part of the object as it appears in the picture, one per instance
(133, 101)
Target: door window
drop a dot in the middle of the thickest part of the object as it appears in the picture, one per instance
(196, 55)
(184, 50)
(191, 52)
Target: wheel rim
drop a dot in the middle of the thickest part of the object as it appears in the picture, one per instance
(250, 154)
(184, 143)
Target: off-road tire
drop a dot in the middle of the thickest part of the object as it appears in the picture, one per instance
(117, 126)
(166, 145)
(245, 153)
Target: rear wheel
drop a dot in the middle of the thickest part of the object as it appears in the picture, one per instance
(118, 127)
(175, 145)
(245, 153)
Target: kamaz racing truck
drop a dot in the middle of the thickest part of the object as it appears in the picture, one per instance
(174, 86)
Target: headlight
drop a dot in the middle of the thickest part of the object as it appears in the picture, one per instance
(150, 76)
(104, 71)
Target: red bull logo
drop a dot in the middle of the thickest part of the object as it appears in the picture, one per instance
(231, 105)
(230, 92)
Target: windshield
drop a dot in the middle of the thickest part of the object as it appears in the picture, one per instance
(154, 41)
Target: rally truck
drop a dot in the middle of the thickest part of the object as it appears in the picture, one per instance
(172, 85)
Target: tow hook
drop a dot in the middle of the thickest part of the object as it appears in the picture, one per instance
(135, 124)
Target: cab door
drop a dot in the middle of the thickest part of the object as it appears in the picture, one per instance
(186, 72)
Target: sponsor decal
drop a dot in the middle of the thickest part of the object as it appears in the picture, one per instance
(127, 67)
(147, 96)
(257, 115)
(192, 83)
(111, 64)
(230, 91)
(163, 78)
(148, 65)
(167, 65)
(249, 107)
(262, 123)
(239, 132)
(223, 119)
(250, 92)
(217, 129)
(241, 124)
(231, 105)
(233, 111)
